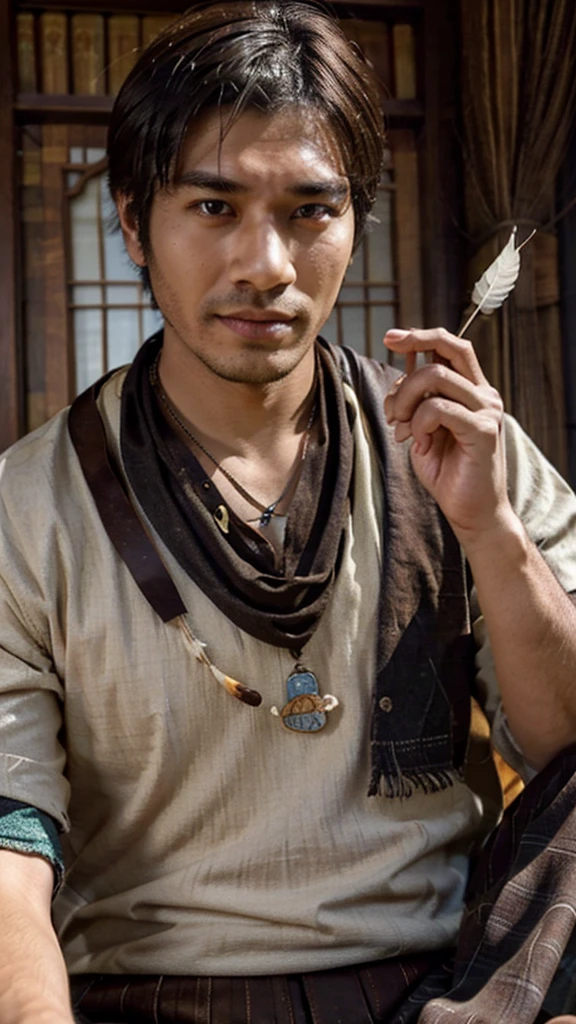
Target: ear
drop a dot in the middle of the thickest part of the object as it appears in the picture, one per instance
(130, 231)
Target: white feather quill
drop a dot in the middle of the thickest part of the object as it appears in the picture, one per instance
(496, 283)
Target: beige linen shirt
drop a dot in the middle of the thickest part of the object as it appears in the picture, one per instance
(201, 836)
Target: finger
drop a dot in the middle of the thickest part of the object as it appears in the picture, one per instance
(467, 427)
(437, 380)
(410, 362)
(458, 351)
(430, 443)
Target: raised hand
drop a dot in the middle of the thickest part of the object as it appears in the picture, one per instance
(455, 418)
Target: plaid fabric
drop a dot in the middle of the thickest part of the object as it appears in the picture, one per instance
(516, 958)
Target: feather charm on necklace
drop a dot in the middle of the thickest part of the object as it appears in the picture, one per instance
(496, 283)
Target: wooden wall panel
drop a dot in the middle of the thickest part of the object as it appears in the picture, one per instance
(443, 244)
(33, 314)
(408, 241)
(57, 359)
(10, 376)
(47, 329)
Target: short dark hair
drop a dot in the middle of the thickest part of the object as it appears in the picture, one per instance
(243, 54)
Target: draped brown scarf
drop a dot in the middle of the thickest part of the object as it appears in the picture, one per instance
(279, 606)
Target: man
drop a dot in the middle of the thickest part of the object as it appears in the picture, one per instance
(235, 510)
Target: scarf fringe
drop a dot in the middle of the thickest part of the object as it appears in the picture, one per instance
(401, 785)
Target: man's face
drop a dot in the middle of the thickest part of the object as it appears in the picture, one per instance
(249, 249)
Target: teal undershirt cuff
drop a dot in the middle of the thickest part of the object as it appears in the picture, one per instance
(25, 829)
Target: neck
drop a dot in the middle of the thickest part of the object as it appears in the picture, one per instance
(239, 417)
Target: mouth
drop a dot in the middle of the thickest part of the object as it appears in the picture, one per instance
(256, 324)
(259, 315)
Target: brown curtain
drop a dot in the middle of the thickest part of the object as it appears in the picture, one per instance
(519, 102)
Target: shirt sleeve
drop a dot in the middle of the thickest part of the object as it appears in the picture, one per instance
(547, 507)
(25, 829)
(32, 758)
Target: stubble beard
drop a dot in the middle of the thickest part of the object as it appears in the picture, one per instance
(256, 364)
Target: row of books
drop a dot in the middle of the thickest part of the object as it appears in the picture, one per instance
(392, 51)
(91, 55)
(86, 54)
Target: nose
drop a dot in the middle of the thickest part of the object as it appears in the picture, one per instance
(261, 256)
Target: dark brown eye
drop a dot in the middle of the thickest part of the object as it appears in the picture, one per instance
(213, 207)
(315, 211)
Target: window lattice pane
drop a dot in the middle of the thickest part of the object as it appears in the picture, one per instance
(84, 234)
(88, 337)
(381, 263)
(117, 266)
(94, 155)
(112, 317)
(382, 296)
(123, 336)
(382, 319)
(354, 327)
(368, 301)
(123, 295)
(86, 295)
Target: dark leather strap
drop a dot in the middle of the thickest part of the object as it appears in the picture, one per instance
(120, 520)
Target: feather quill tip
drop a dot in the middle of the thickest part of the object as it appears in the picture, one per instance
(497, 283)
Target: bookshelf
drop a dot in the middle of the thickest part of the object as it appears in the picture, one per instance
(363, 8)
(71, 63)
(37, 108)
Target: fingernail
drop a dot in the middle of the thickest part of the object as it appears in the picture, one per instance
(402, 431)
(396, 334)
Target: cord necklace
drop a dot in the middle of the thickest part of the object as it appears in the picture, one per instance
(266, 511)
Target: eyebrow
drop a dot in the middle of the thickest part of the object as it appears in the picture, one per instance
(335, 189)
(208, 182)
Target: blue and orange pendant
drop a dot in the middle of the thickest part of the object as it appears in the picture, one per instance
(305, 710)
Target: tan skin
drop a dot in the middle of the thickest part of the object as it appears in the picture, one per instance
(33, 977)
(246, 390)
(254, 237)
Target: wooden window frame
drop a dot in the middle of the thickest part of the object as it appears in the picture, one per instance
(11, 375)
(429, 290)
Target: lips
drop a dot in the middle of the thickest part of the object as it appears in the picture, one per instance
(257, 324)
